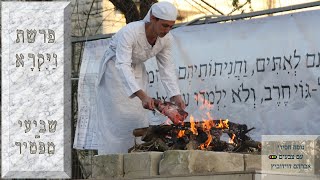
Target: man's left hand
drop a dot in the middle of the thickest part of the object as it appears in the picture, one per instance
(178, 101)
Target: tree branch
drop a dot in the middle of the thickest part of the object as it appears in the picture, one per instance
(128, 8)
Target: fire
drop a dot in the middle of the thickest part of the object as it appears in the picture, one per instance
(208, 141)
(193, 128)
(232, 138)
(207, 123)
(223, 124)
(181, 133)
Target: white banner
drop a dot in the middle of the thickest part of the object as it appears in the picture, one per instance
(85, 137)
(261, 72)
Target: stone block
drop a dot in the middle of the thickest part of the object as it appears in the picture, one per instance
(36, 90)
(143, 164)
(107, 166)
(181, 162)
(252, 162)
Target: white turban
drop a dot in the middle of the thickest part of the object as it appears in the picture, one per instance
(162, 10)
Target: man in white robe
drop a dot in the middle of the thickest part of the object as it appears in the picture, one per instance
(121, 89)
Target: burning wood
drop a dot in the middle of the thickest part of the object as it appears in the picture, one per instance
(205, 135)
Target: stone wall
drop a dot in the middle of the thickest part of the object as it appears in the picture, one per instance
(186, 165)
(174, 163)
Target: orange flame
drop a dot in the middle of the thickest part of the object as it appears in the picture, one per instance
(208, 141)
(207, 122)
(193, 128)
(223, 124)
(207, 125)
(181, 133)
(232, 138)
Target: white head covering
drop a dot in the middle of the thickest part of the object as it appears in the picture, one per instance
(162, 10)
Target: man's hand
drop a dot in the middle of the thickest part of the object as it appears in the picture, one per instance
(178, 101)
(147, 102)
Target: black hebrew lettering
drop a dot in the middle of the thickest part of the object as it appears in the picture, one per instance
(203, 96)
(51, 148)
(276, 61)
(30, 55)
(226, 65)
(318, 60)
(296, 56)
(162, 98)
(20, 123)
(254, 94)
(185, 72)
(42, 129)
(296, 88)
(190, 69)
(19, 61)
(186, 99)
(237, 95)
(31, 35)
(210, 100)
(218, 92)
(56, 61)
(205, 66)
(286, 61)
(245, 66)
(268, 59)
(231, 63)
(308, 91)
(235, 66)
(210, 65)
(51, 36)
(157, 72)
(20, 34)
(283, 87)
(245, 90)
(260, 62)
(301, 87)
(27, 125)
(313, 58)
(42, 148)
(35, 123)
(34, 148)
(52, 126)
(277, 87)
(270, 97)
(150, 75)
(215, 68)
(18, 144)
(195, 68)
(196, 97)
(40, 60)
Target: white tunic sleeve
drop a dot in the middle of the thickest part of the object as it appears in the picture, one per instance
(167, 69)
(124, 60)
